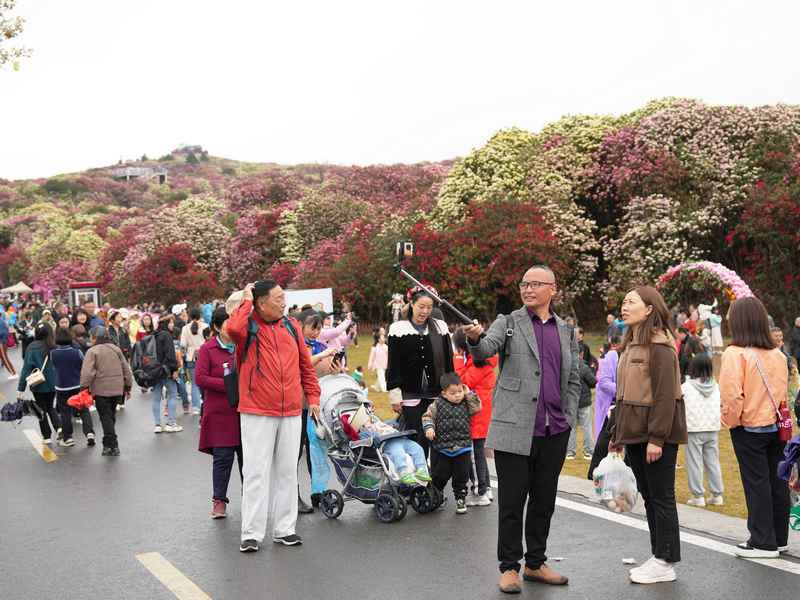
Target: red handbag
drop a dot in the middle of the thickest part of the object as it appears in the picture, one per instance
(11, 342)
(784, 417)
(784, 423)
(81, 400)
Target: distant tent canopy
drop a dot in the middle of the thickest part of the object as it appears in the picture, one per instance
(17, 288)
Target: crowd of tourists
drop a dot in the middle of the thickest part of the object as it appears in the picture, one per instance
(520, 387)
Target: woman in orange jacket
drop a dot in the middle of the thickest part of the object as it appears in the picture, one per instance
(753, 381)
(480, 377)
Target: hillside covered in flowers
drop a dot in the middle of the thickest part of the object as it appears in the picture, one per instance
(607, 201)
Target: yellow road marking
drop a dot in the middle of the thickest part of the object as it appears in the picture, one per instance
(41, 448)
(175, 581)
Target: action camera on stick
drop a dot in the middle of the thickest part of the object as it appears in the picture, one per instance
(404, 251)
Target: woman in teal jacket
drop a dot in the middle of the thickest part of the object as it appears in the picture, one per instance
(37, 357)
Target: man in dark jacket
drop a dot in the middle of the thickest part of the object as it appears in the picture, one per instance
(584, 419)
(584, 350)
(165, 354)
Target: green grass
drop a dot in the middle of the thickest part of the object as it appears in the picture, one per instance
(734, 495)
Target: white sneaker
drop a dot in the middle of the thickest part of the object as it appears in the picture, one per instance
(745, 550)
(47, 441)
(66, 443)
(13, 377)
(570, 456)
(158, 429)
(173, 428)
(698, 501)
(653, 571)
(782, 549)
(482, 500)
(717, 501)
(490, 494)
(195, 411)
(472, 499)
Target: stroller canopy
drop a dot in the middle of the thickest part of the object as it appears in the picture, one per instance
(338, 392)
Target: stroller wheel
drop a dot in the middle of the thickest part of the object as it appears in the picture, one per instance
(386, 508)
(331, 504)
(402, 508)
(422, 500)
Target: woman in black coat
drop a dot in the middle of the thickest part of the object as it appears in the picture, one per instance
(420, 352)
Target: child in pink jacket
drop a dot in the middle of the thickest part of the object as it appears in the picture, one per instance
(379, 360)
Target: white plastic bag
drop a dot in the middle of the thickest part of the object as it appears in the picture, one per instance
(615, 484)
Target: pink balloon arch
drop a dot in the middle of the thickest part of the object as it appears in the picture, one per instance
(707, 273)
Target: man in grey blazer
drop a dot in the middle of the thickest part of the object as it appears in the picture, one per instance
(533, 410)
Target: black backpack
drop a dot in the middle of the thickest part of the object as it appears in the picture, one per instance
(231, 376)
(147, 370)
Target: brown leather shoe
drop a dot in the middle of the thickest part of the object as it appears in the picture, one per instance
(510, 582)
(544, 574)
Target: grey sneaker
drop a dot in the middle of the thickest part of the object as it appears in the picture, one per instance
(248, 546)
(288, 540)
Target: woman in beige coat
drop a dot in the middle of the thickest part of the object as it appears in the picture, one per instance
(107, 376)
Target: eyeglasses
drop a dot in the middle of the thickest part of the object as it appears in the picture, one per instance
(533, 285)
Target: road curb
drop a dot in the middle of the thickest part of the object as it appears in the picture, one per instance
(697, 520)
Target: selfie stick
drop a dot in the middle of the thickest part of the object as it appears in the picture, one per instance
(466, 320)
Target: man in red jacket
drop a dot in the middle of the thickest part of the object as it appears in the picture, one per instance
(274, 373)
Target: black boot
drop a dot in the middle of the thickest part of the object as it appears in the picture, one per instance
(315, 498)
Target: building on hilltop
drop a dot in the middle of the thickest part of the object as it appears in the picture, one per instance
(129, 173)
(195, 149)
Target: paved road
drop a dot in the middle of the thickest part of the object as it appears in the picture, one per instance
(71, 529)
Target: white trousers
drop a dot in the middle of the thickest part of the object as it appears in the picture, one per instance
(270, 446)
(381, 373)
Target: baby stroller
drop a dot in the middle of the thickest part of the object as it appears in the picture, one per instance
(364, 471)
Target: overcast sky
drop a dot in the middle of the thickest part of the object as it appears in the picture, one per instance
(361, 83)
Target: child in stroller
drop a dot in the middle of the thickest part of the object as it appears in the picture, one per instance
(365, 424)
(374, 462)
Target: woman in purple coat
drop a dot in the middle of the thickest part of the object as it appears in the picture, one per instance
(606, 385)
(219, 426)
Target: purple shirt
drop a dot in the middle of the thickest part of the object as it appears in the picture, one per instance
(550, 419)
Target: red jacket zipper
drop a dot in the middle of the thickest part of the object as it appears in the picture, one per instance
(280, 365)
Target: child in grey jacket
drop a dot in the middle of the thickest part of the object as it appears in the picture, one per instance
(447, 424)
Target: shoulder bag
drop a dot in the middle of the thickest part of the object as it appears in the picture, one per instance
(784, 418)
(37, 375)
